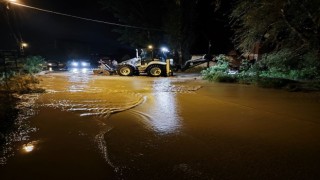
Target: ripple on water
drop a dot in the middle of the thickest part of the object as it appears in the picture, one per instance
(166, 85)
(101, 104)
(93, 104)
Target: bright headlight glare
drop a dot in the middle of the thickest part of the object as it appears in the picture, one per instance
(164, 49)
(84, 64)
(74, 64)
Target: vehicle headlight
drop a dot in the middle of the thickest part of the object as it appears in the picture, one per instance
(74, 64)
(164, 49)
(84, 64)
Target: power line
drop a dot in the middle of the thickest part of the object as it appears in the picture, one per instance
(82, 18)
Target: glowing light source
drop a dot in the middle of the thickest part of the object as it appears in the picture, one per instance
(84, 64)
(164, 49)
(28, 147)
(150, 47)
(23, 44)
(12, 0)
(75, 64)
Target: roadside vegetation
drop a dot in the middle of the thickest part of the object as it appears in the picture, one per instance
(14, 82)
(272, 71)
(287, 43)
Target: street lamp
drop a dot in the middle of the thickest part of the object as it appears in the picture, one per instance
(6, 3)
(150, 47)
(22, 46)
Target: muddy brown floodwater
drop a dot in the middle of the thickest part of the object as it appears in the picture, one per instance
(111, 127)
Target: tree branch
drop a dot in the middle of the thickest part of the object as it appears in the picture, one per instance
(305, 40)
(313, 19)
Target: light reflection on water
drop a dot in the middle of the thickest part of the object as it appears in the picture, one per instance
(79, 81)
(161, 112)
(164, 112)
(22, 128)
(163, 108)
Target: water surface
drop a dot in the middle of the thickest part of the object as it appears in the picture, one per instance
(111, 127)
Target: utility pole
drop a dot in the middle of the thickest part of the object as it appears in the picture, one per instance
(209, 54)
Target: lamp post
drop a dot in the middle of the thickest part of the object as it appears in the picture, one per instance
(22, 46)
(151, 48)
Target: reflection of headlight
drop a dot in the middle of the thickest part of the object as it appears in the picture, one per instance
(79, 70)
(84, 64)
(84, 70)
(74, 64)
(74, 70)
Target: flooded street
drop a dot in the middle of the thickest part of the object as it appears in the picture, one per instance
(181, 127)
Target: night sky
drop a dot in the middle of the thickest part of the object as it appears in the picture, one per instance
(46, 33)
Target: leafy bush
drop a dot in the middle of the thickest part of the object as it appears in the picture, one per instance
(228, 78)
(33, 64)
(214, 73)
(245, 65)
(282, 64)
(275, 70)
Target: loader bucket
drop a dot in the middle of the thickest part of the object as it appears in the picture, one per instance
(102, 72)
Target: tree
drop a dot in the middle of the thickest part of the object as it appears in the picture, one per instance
(143, 18)
(278, 25)
(179, 26)
(163, 22)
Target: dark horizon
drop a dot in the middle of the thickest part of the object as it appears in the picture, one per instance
(43, 30)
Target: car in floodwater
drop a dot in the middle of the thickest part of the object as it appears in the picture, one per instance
(79, 65)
